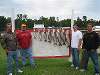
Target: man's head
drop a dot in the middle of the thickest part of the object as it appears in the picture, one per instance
(75, 28)
(90, 27)
(23, 27)
(9, 27)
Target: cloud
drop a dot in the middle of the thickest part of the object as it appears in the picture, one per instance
(61, 8)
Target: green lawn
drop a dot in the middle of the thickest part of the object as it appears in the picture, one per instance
(54, 66)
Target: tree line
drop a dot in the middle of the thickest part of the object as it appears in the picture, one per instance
(48, 22)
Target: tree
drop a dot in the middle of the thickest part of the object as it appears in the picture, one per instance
(17, 23)
(79, 22)
(45, 21)
(30, 23)
(52, 21)
(85, 18)
(84, 21)
(3, 22)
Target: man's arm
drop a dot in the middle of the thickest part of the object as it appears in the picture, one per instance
(3, 42)
(80, 44)
(97, 40)
(80, 41)
(30, 39)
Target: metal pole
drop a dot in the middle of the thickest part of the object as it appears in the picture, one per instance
(72, 23)
(13, 19)
(72, 19)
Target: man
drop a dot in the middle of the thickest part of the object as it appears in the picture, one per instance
(9, 39)
(90, 44)
(76, 41)
(25, 45)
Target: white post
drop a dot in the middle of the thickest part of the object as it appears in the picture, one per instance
(13, 19)
(72, 23)
(72, 19)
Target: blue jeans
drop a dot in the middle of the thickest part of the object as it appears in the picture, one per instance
(94, 57)
(75, 57)
(12, 56)
(27, 53)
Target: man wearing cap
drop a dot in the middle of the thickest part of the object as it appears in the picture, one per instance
(25, 45)
(76, 41)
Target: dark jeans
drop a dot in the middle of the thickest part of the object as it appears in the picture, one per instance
(12, 56)
(27, 53)
(94, 57)
(75, 57)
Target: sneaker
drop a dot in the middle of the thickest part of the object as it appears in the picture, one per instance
(20, 71)
(97, 74)
(72, 65)
(10, 74)
(77, 68)
(33, 66)
(82, 70)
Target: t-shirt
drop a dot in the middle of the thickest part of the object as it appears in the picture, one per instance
(24, 39)
(76, 36)
(91, 41)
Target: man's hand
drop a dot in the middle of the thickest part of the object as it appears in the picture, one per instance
(80, 44)
(6, 50)
(79, 48)
(18, 46)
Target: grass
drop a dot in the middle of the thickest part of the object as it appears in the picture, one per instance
(46, 66)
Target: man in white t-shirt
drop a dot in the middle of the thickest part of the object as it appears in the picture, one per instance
(76, 41)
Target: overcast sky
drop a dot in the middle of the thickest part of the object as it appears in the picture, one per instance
(60, 8)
